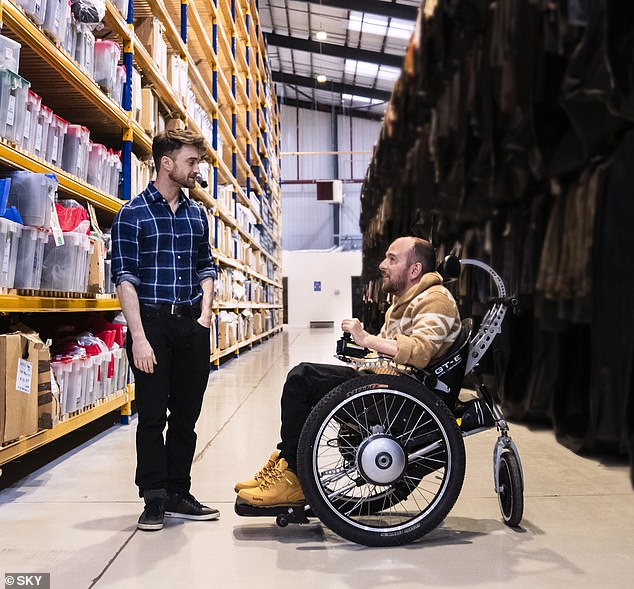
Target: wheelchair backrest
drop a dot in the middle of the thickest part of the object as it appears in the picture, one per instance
(445, 375)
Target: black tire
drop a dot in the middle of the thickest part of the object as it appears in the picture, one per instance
(511, 492)
(401, 496)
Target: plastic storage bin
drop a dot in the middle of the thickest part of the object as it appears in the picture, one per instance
(28, 273)
(9, 54)
(65, 267)
(33, 195)
(122, 5)
(115, 173)
(33, 105)
(36, 9)
(9, 239)
(76, 146)
(55, 142)
(107, 54)
(40, 134)
(13, 98)
(117, 93)
(56, 19)
(97, 161)
(84, 50)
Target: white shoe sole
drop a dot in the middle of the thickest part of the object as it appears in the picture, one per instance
(208, 517)
(149, 527)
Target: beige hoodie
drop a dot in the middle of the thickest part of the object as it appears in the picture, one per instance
(424, 322)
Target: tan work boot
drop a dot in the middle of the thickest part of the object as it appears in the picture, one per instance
(279, 487)
(258, 477)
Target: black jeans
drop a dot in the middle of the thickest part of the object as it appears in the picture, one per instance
(182, 349)
(305, 385)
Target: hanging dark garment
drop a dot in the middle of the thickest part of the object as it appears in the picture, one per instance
(613, 320)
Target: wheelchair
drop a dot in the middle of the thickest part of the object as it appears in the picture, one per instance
(381, 458)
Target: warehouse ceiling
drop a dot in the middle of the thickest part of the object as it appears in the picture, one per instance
(341, 54)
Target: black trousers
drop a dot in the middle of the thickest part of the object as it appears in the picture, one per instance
(182, 349)
(305, 385)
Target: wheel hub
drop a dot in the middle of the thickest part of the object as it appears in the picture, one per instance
(381, 459)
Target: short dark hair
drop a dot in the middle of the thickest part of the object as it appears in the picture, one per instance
(167, 142)
(423, 251)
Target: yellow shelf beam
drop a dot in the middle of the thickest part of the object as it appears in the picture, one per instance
(14, 303)
(27, 444)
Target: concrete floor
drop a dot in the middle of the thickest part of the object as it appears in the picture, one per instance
(75, 518)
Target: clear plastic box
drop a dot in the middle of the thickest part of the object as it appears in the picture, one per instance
(40, 134)
(28, 273)
(115, 173)
(97, 160)
(9, 54)
(107, 55)
(65, 267)
(33, 105)
(76, 146)
(9, 240)
(122, 5)
(117, 93)
(85, 49)
(14, 91)
(33, 194)
(36, 9)
(55, 142)
(56, 19)
(62, 368)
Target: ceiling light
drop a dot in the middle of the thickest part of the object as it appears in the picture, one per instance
(321, 35)
(321, 78)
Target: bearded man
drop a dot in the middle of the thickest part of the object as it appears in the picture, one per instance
(420, 326)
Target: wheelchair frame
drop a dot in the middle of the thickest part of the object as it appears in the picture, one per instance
(507, 468)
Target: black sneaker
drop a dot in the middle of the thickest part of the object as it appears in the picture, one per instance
(185, 506)
(475, 417)
(152, 517)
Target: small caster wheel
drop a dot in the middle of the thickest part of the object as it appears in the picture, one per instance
(511, 493)
(281, 521)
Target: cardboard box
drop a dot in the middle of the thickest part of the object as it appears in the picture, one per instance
(96, 268)
(18, 386)
(226, 334)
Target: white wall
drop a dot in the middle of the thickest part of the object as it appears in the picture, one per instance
(333, 270)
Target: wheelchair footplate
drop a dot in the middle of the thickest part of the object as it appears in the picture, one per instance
(283, 514)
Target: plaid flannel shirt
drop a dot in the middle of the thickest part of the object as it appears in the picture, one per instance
(165, 255)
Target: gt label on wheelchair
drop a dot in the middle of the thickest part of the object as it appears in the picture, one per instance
(447, 365)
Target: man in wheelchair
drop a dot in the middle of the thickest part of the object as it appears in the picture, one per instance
(420, 327)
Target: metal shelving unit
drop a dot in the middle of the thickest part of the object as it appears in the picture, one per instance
(217, 40)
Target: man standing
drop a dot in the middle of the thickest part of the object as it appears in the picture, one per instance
(420, 326)
(164, 273)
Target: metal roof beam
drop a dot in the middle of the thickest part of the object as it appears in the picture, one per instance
(373, 7)
(329, 86)
(340, 110)
(395, 61)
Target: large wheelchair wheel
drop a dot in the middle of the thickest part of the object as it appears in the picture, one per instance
(511, 489)
(381, 460)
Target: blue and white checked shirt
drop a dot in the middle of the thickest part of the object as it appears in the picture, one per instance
(164, 254)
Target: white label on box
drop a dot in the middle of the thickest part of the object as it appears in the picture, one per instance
(58, 236)
(11, 110)
(27, 126)
(23, 378)
(55, 145)
(38, 138)
(6, 256)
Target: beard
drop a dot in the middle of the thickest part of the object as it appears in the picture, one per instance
(394, 286)
(184, 180)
